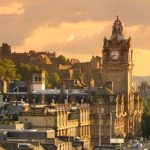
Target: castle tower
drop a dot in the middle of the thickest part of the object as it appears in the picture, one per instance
(117, 62)
(5, 50)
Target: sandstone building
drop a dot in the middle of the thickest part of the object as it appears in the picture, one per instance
(115, 107)
(70, 121)
(118, 108)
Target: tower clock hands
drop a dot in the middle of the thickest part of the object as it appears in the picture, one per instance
(114, 55)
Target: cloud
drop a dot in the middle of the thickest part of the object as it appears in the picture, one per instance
(34, 14)
(141, 62)
(72, 27)
(14, 8)
(77, 11)
(67, 37)
(140, 35)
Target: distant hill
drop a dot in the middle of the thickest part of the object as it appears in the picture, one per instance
(139, 79)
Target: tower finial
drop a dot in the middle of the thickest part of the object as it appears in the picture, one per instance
(117, 30)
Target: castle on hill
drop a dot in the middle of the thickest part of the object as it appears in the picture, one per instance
(73, 72)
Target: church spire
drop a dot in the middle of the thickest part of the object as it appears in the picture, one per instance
(117, 30)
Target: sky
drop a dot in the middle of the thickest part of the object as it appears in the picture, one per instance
(75, 28)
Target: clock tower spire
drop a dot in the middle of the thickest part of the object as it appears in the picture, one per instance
(117, 60)
(117, 30)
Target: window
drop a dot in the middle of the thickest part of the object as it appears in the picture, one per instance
(36, 78)
(100, 110)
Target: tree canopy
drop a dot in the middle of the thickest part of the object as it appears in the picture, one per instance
(61, 59)
(55, 80)
(47, 80)
(26, 70)
(146, 119)
(8, 70)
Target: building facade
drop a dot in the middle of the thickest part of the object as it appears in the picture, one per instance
(117, 62)
(71, 121)
(116, 108)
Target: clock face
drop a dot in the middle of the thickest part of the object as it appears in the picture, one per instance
(114, 55)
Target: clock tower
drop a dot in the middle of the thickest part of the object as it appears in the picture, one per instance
(117, 62)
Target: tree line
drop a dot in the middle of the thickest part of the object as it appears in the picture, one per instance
(146, 119)
(22, 71)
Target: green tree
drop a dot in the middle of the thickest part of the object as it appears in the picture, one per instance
(35, 68)
(47, 80)
(146, 119)
(2, 71)
(55, 80)
(8, 70)
(61, 59)
(25, 71)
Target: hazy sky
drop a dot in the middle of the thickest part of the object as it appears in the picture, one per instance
(75, 28)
